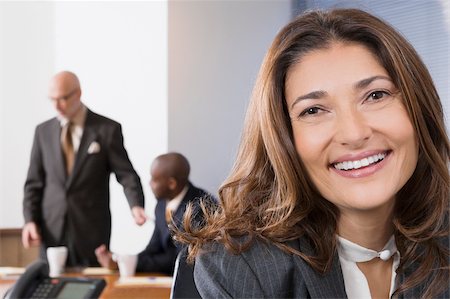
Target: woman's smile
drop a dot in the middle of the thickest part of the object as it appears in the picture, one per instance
(362, 165)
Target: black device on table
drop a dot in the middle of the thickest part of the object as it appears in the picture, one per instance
(35, 283)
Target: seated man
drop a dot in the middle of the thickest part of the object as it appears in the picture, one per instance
(171, 187)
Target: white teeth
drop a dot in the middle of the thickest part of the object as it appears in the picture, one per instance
(348, 165)
(364, 162)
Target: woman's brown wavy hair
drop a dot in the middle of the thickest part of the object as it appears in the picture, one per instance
(268, 194)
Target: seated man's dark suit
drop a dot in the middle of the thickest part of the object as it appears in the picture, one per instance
(161, 252)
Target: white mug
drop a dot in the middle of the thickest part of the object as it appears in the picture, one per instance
(127, 264)
(56, 257)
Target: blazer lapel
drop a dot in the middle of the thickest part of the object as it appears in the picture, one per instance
(165, 233)
(182, 207)
(55, 137)
(178, 215)
(89, 135)
(328, 285)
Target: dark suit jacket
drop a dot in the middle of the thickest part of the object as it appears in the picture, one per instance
(264, 271)
(161, 252)
(76, 207)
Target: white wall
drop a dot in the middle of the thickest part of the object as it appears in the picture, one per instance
(119, 51)
(215, 50)
(26, 62)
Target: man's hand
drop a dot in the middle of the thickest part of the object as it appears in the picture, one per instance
(30, 235)
(104, 258)
(139, 215)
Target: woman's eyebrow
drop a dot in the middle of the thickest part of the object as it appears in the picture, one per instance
(366, 82)
(318, 94)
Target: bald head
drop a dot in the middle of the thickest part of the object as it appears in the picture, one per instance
(65, 92)
(170, 174)
(66, 80)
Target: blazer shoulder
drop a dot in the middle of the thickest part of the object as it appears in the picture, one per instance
(47, 124)
(266, 257)
(264, 270)
(92, 117)
(195, 196)
(197, 193)
(260, 256)
(267, 271)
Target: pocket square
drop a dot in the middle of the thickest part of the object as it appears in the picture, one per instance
(93, 148)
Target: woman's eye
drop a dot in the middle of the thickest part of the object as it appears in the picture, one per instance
(377, 95)
(310, 111)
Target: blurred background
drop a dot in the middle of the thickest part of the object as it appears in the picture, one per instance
(176, 74)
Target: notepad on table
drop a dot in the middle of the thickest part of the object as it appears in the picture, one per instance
(160, 281)
(97, 271)
(11, 271)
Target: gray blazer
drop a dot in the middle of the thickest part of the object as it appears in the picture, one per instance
(75, 208)
(264, 271)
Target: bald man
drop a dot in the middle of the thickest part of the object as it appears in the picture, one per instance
(171, 187)
(66, 193)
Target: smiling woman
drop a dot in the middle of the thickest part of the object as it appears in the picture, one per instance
(351, 128)
(341, 185)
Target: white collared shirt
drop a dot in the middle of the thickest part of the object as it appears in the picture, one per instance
(77, 126)
(356, 285)
(173, 204)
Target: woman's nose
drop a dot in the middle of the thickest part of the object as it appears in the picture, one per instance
(352, 129)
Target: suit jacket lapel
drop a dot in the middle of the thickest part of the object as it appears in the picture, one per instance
(55, 136)
(165, 233)
(328, 285)
(178, 215)
(89, 135)
(418, 290)
(182, 207)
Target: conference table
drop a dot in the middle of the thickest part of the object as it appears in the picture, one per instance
(115, 288)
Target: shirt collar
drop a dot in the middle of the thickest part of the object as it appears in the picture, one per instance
(173, 204)
(356, 253)
(78, 119)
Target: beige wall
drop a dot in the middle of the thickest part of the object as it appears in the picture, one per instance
(12, 253)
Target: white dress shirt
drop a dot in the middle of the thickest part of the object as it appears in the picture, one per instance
(77, 126)
(174, 203)
(356, 285)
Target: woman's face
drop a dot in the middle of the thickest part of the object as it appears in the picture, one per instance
(350, 127)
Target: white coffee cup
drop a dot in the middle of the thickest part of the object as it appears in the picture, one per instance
(127, 264)
(56, 257)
